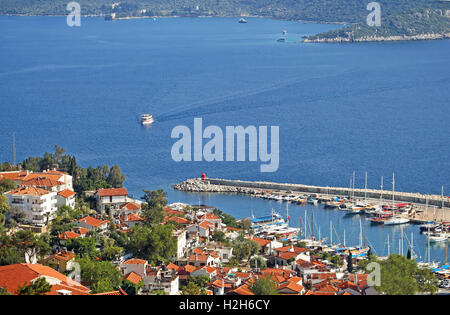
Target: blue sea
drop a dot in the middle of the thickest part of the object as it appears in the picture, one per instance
(370, 107)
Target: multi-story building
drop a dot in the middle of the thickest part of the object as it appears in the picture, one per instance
(112, 198)
(38, 204)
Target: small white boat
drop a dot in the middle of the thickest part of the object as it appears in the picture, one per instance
(437, 237)
(147, 119)
(396, 221)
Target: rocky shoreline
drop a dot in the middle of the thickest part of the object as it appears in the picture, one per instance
(197, 185)
(379, 38)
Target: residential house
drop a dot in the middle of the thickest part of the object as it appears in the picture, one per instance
(12, 277)
(59, 261)
(38, 204)
(111, 198)
(93, 224)
(66, 198)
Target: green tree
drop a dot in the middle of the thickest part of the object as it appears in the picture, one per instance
(86, 247)
(153, 244)
(258, 262)
(350, 262)
(264, 286)
(102, 276)
(153, 207)
(37, 287)
(131, 288)
(200, 281)
(109, 251)
(155, 198)
(218, 236)
(426, 280)
(192, 289)
(397, 276)
(244, 249)
(115, 178)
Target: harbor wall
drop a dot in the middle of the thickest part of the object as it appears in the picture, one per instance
(433, 200)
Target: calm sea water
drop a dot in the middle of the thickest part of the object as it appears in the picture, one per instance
(375, 107)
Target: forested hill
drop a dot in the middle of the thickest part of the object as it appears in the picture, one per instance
(399, 17)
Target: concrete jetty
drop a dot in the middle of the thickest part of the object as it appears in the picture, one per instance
(250, 187)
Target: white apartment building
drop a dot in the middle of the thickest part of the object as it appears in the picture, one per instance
(39, 204)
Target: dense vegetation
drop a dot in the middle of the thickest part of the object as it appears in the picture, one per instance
(399, 17)
(83, 178)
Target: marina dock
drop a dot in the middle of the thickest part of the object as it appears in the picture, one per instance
(439, 207)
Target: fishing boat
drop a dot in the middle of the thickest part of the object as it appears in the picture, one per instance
(147, 119)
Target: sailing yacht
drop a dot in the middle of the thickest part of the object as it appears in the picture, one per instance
(394, 220)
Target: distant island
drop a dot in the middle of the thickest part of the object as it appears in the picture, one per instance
(401, 19)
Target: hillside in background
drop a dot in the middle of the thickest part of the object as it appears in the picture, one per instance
(401, 19)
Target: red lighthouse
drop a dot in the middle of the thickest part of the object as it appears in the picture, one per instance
(203, 176)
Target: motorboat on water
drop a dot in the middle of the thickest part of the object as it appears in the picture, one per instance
(242, 20)
(395, 220)
(437, 237)
(147, 119)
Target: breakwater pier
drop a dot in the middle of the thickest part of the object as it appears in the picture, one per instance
(215, 185)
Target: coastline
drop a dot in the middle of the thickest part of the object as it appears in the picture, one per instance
(335, 40)
(419, 37)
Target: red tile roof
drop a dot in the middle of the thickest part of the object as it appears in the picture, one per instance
(42, 182)
(52, 176)
(66, 193)
(28, 191)
(209, 216)
(112, 192)
(291, 286)
(132, 218)
(130, 206)
(294, 249)
(288, 255)
(93, 221)
(135, 261)
(133, 278)
(177, 220)
(118, 292)
(68, 235)
(12, 175)
(14, 276)
(261, 241)
(243, 290)
(172, 266)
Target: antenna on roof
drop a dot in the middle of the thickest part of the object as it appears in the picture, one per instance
(14, 149)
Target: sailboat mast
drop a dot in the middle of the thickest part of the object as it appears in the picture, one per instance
(393, 193)
(360, 233)
(428, 228)
(331, 233)
(389, 246)
(306, 225)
